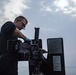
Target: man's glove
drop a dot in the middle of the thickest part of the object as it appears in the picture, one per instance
(27, 40)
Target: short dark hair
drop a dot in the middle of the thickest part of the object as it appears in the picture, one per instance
(20, 18)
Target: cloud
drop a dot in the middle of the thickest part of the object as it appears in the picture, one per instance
(65, 6)
(11, 9)
(48, 29)
(45, 6)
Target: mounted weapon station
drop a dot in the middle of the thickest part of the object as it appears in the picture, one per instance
(39, 65)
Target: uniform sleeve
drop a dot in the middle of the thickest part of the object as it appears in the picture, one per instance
(9, 27)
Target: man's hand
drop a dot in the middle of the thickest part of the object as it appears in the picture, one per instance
(27, 40)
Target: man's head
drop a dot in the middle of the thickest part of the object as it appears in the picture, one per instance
(20, 22)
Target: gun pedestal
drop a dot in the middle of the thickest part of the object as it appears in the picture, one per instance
(33, 64)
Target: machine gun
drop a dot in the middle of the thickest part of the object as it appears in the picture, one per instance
(32, 53)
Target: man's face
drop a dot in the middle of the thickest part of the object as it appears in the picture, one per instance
(21, 24)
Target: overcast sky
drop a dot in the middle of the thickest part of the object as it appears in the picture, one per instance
(56, 18)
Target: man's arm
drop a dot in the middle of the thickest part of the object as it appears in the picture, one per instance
(18, 34)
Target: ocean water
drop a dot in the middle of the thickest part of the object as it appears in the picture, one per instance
(70, 71)
(23, 69)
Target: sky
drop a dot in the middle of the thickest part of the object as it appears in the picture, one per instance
(55, 18)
